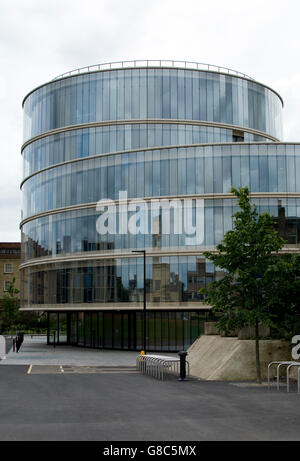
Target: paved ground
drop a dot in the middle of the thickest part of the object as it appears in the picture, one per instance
(127, 406)
(37, 353)
(107, 400)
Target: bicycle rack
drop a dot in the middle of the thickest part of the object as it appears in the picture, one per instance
(158, 365)
(295, 364)
(288, 364)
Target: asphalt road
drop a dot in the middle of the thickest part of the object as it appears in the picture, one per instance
(121, 406)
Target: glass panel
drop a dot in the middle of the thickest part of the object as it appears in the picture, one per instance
(117, 330)
(139, 331)
(194, 326)
(125, 329)
(81, 341)
(151, 343)
(88, 329)
(179, 331)
(132, 330)
(62, 333)
(165, 331)
(94, 329)
(100, 329)
(53, 327)
(73, 337)
(172, 331)
(186, 330)
(108, 330)
(158, 331)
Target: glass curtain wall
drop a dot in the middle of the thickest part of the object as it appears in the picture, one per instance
(165, 172)
(166, 331)
(152, 94)
(155, 133)
(88, 142)
(76, 232)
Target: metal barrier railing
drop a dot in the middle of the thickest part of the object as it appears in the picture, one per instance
(153, 63)
(158, 366)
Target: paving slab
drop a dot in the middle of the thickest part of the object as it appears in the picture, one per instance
(37, 352)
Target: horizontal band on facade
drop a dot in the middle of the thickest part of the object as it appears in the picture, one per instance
(163, 121)
(113, 254)
(186, 306)
(155, 67)
(128, 253)
(212, 196)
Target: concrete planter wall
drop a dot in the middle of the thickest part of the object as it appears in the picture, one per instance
(229, 359)
(245, 333)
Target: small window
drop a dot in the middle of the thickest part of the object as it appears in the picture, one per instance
(6, 284)
(8, 268)
(237, 136)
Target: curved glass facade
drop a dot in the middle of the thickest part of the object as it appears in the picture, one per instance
(87, 142)
(165, 172)
(169, 280)
(76, 231)
(152, 94)
(166, 330)
(153, 135)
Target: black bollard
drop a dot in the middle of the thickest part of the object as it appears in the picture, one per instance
(54, 338)
(182, 357)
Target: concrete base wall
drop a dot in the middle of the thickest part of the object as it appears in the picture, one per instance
(249, 332)
(245, 333)
(216, 358)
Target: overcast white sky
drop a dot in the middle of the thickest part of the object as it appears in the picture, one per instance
(40, 39)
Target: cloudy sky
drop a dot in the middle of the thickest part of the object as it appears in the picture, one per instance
(40, 39)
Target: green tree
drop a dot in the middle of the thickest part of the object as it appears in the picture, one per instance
(10, 308)
(248, 257)
(283, 292)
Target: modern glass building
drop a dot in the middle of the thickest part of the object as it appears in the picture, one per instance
(160, 143)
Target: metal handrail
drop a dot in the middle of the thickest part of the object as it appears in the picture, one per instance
(152, 63)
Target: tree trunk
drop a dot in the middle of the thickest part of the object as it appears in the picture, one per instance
(258, 371)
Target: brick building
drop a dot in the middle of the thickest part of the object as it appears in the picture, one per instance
(10, 259)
